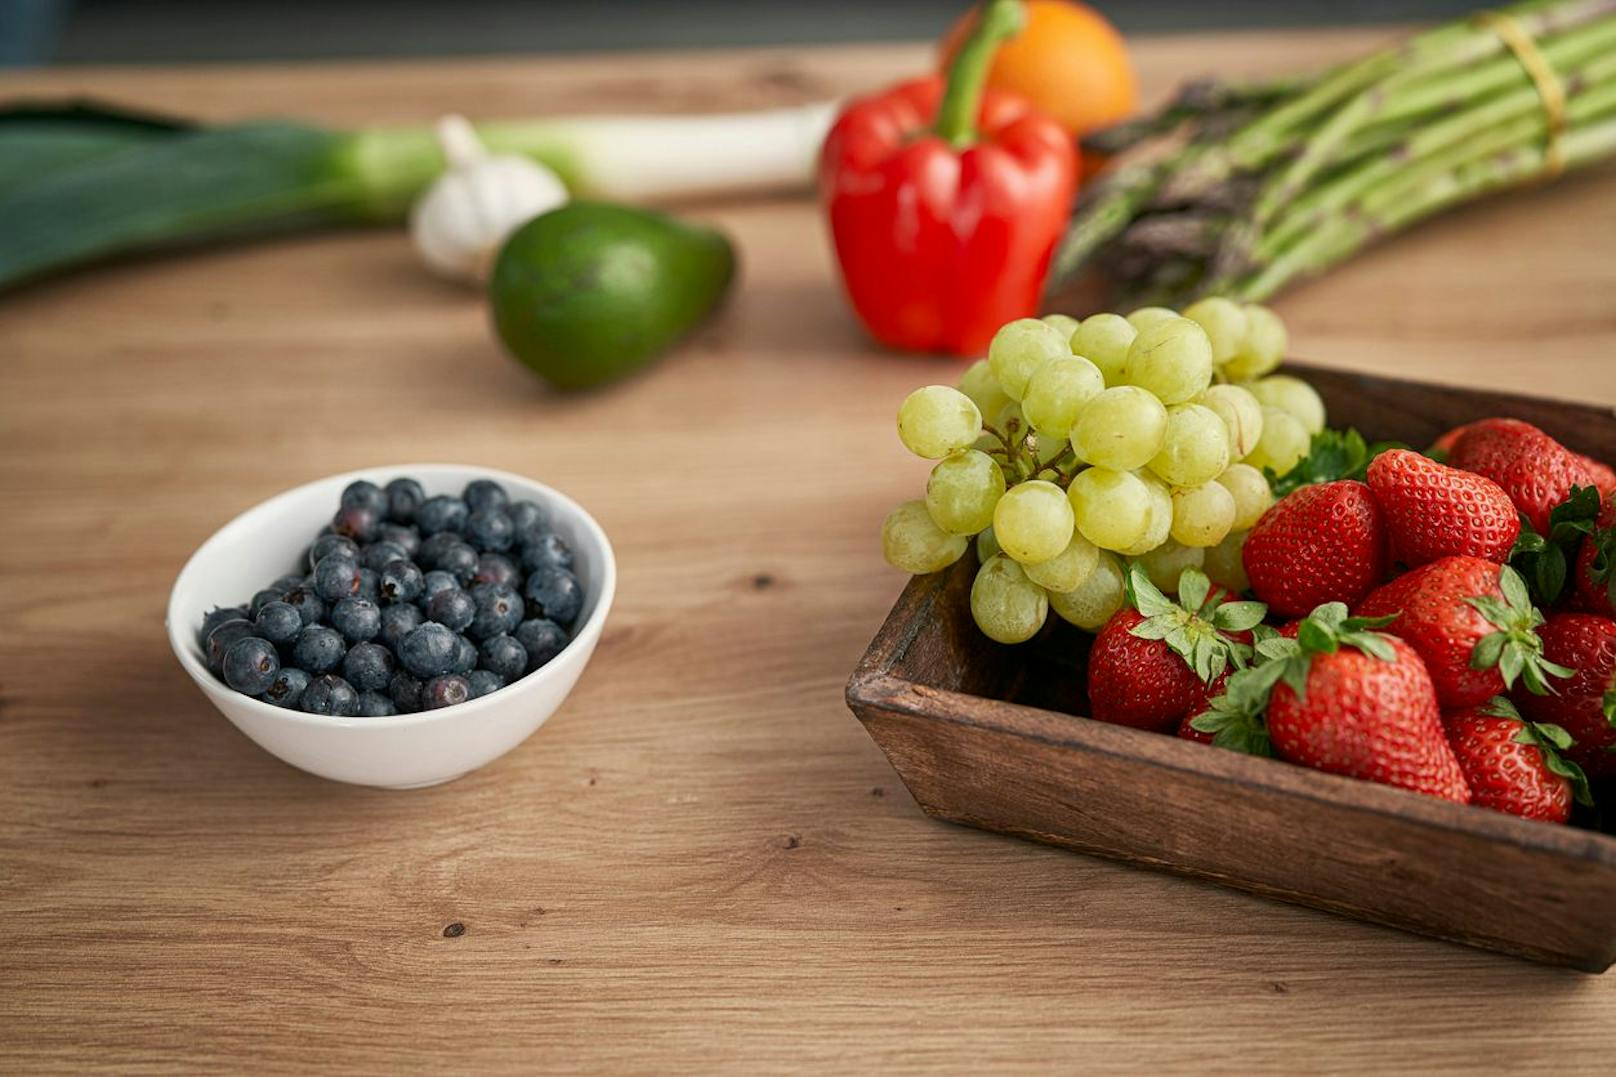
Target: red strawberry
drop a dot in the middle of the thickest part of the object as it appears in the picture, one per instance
(1585, 704)
(1152, 661)
(1473, 624)
(1442, 447)
(1433, 510)
(1536, 471)
(1515, 766)
(1599, 475)
(1323, 543)
(1359, 703)
(1595, 571)
(1189, 732)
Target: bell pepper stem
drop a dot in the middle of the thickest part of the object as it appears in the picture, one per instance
(968, 74)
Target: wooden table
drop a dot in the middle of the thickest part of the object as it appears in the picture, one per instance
(701, 862)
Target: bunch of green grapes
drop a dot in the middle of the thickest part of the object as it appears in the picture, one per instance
(1076, 445)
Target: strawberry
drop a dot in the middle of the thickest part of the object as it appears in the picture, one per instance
(1595, 571)
(1474, 625)
(1433, 510)
(1341, 698)
(1442, 447)
(1536, 471)
(1586, 704)
(1598, 475)
(1201, 702)
(1187, 730)
(1515, 766)
(1153, 659)
(1322, 543)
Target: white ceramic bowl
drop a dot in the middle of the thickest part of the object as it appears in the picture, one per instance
(408, 750)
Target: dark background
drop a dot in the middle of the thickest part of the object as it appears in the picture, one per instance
(169, 31)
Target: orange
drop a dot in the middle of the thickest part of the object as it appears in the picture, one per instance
(1068, 61)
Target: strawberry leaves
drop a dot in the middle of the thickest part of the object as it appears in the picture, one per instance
(1235, 718)
(1551, 740)
(1331, 455)
(1198, 627)
(1543, 560)
(1515, 649)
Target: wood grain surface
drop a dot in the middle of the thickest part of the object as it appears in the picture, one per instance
(702, 862)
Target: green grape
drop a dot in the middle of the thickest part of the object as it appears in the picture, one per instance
(962, 491)
(1033, 521)
(1196, 447)
(1225, 563)
(935, 420)
(1021, 347)
(1147, 316)
(1172, 358)
(1202, 515)
(982, 387)
(1167, 562)
(1284, 441)
(1064, 324)
(1096, 600)
(1293, 395)
(913, 542)
(1112, 509)
(1007, 607)
(1263, 348)
(1225, 323)
(1057, 392)
(1067, 569)
(1240, 412)
(1121, 429)
(986, 546)
(1104, 340)
(1251, 492)
(1161, 516)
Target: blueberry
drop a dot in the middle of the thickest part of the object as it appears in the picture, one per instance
(221, 639)
(261, 599)
(374, 705)
(400, 581)
(286, 583)
(546, 551)
(432, 583)
(336, 577)
(286, 690)
(529, 520)
(482, 682)
(358, 619)
(379, 553)
(465, 658)
(499, 610)
(504, 656)
(279, 622)
(365, 494)
(542, 640)
(428, 651)
(404, 496)
(326, 545)
(306, 603)
(250, 665)
(481, 494)
(460, 561)
(433, 547)
(318, 649)
(445, 691)
(398, 621)
(490, 529)
(556, 594)
(329, 695)
(368, 666)
(441, 513)
(216, 617)
(407, 538)
(452, 608)
(370, 584)
(496, 568)
(358, 522)
(405, 692)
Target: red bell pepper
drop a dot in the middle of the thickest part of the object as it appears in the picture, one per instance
(945, 202)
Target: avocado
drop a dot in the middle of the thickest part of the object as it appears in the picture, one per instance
(590, 292)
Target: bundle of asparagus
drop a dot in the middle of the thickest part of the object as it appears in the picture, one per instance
(1237, 190)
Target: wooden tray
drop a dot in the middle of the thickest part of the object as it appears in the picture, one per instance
(986, 735)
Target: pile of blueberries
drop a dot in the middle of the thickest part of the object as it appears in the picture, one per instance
(410, 603)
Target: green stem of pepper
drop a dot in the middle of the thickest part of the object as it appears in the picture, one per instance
(968, 74)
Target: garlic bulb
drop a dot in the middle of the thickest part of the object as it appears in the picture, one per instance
(479, 200)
